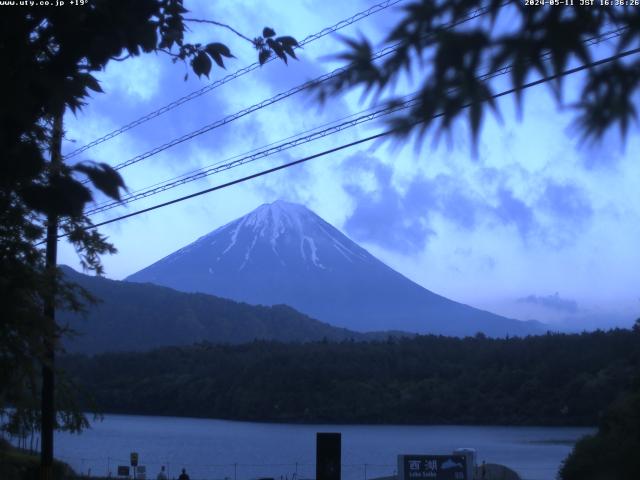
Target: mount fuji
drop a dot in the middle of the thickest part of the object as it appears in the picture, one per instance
(283, 253)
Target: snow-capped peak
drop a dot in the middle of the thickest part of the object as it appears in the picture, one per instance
(290, 231)
(283, 253)
(288, 226)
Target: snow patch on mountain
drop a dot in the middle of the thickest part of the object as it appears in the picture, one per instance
(248, 253)
(279, 223)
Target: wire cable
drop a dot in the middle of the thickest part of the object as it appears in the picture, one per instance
(360, 141)
(302, 138)
(281, 96)
(254, 150)
(243, 71)
(276, 148)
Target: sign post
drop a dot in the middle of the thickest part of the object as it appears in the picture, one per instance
(123, 471)
(134, 462)
(432, 467)
(141, 472)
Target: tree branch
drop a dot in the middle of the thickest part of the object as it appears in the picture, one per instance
(121, 59)
(213, 22)
(170, 53)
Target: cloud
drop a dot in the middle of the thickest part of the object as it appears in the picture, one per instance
(137, 79)
(552, 302)
(565, 212)
(599, 155)
(447, 195)
(400, 219)
(512, 210)
(546, 213)
(381, 215)
(289, 184)
(567, 202)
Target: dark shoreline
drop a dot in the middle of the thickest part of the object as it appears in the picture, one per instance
(338, 423)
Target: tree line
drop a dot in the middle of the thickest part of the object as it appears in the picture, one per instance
(554, 379)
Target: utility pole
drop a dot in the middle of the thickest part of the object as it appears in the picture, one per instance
(48, 409)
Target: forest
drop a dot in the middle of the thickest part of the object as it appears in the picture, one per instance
(553, 379)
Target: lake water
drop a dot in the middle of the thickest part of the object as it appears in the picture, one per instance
(218, 449)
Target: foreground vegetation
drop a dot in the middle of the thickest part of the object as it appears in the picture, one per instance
(612, 453)
(555, 379)
(17, 464)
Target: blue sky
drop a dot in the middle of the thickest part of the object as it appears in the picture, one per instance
(536, 225)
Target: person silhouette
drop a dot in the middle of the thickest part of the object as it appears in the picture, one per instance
(183, 475)
(162, 475)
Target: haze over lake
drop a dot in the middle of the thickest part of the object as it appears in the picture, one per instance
(217, 449)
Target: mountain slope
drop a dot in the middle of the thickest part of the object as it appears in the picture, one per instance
(136, 317)
(283, 253)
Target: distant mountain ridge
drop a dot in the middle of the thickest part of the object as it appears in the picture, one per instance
(283, 253)
(139, 317)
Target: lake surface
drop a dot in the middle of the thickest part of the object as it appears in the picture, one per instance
(219, 449)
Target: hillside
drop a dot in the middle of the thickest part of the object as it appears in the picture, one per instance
(136, 317)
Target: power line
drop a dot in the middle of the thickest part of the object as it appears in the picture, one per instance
(220, 166)
(279, 97)
(197, 93)
(299, 139)
(362, 140)
(234, 157)
(243, 179)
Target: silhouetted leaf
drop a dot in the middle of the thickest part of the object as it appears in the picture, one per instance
(264, 55)
(201, 64)
(607, 99)
(218, 59)
(149, 38)
(219, 49)
(64, 197)
(69, 196)
(91, 82)
(287, 41)
(287, 44)
(268, 32)
(277, 48)
(103, 177)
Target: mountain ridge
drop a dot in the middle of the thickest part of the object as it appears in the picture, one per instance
(139, 317)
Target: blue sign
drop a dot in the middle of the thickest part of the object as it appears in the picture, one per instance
(432, 467)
